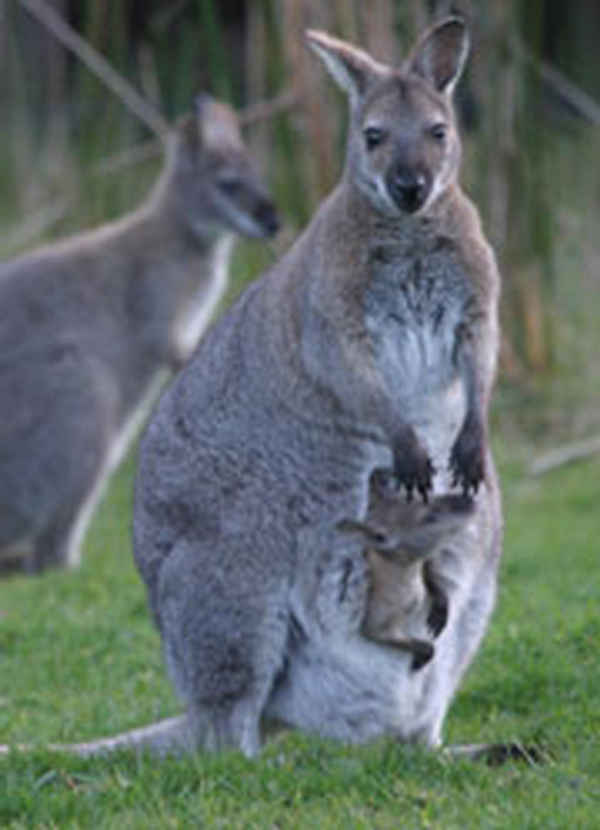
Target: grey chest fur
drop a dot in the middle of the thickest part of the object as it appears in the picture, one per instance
(415, 310)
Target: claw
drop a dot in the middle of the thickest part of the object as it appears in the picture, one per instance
(414, 471)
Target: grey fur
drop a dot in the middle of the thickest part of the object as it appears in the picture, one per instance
(89, 325)
(372, 343)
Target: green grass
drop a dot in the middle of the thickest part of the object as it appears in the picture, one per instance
(79, 658)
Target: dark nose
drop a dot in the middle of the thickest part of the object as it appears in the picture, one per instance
(408, 188)
(266, 216)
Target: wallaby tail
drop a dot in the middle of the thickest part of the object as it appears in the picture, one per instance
(170, 736)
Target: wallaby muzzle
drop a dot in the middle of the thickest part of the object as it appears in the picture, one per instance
(266, 216)
(409, 187)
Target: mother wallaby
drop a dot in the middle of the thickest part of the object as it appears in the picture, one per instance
(372, 343)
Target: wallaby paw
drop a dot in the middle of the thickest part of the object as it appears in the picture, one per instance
(467, 459)
(438, 616)
(414, 471)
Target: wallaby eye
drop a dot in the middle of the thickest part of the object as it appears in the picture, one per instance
(229, 186)
(439, 131)
(373, 137)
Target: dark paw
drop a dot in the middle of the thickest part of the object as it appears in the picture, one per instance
(467, 459)
(422, 652)
(437, 617)
(414, 471)
(384, 482)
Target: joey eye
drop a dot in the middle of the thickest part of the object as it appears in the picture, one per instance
(373, 137)
(438, 131)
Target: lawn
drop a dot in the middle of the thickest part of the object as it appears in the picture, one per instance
(79, 658)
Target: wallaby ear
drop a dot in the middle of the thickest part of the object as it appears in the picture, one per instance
(441, 53)
(349, 66)
(216, 122)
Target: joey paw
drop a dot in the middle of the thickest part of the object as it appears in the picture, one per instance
(438, 615)
(422, 652)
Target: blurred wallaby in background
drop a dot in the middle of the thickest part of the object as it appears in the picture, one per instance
(88, 325)
(371, 344)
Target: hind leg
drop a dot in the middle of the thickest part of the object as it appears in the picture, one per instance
(224, 637)
(59, 544)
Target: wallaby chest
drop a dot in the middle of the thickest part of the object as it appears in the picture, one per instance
(416, 305)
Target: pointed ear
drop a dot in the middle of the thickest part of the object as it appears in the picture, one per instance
(361, 532)
(353, 69)
(440, 54)
(217, 123)
(202, 105)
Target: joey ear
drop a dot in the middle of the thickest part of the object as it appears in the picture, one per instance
(349, 66)
(361, 532)
(440, 54)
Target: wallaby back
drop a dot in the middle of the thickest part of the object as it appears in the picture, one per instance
(372, 343)
(89, 325)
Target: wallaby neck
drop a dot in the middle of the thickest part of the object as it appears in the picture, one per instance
(169, 275)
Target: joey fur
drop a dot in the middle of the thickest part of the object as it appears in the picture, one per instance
(406, 605)
(371, 344)
(90, 325)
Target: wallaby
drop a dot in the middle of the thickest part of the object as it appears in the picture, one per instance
(89, 325)
(371, 344)
(406, 604)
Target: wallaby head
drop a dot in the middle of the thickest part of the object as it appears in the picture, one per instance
(215, 186)
(403, 143)
(408, 530)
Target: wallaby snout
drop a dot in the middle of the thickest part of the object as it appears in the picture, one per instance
(217, 180)
(266, 216)
(246, 208)
(241, 199)
(408, 188)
